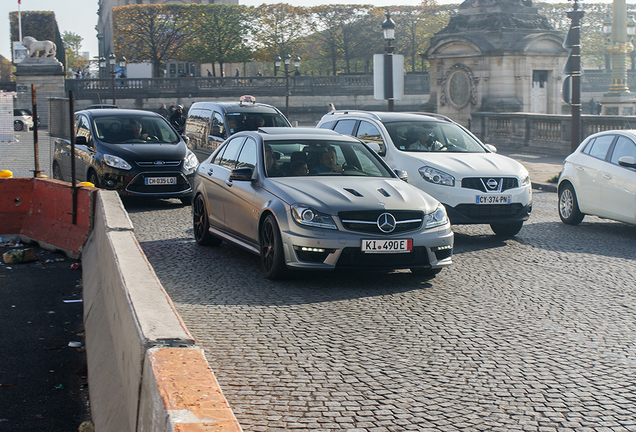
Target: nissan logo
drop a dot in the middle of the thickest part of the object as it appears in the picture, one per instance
(492, 183)
(386, 222)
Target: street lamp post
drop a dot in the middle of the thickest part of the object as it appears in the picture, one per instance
(620, 31)
(388, 28)
(113, 72)
(286, 62)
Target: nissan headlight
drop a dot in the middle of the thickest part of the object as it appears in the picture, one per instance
(190, 161)
(116, 162)
(525, 181)
(305, 215)
(436, 176)
(437, 218)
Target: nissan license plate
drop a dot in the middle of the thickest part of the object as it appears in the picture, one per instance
(387, 246)
(159, 181)
(493, 199)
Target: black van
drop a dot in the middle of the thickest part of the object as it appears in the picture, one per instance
(210, 123)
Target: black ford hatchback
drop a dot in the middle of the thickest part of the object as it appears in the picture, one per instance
(131, 151)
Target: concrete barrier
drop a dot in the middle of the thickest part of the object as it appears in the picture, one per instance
(40, 210)
(144, 371)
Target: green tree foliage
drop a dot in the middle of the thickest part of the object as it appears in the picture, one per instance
(220, 33)
(73, 44)
(344, 33)
(593, 41)
(155, 33)
(278, 29)
(6, 70)
(40, 25)
(414, 28)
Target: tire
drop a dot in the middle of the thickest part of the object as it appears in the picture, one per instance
(426, 272)
(506, 230)
(18, 125)
(569, 206)
(92, 178)
(57, 171)
(272, 254)
(201, 224)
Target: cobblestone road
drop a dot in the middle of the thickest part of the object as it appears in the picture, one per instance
(536, 333)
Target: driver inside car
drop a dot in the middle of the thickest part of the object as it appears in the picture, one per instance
(138, 132)
(425, 141)
(328, 162)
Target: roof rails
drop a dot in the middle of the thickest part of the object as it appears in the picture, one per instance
(435, 115)
(367, 113)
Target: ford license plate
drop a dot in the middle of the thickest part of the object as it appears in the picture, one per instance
(387, 246)
(158, 181)
(493, 199)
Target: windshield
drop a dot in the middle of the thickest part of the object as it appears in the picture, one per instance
(422, 136)
(322, 158)
(133, 129)
(237, 122)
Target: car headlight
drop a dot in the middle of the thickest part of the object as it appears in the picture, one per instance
(305, 215)
(437, 218)
(116, 162)
(190, 161)
(435, 176)
(525, 181)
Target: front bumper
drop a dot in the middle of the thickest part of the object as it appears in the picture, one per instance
(330, 249)
(133, 184)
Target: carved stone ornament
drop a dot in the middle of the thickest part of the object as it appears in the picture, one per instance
(458, 87)
(39, 49)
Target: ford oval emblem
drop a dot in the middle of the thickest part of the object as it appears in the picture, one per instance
(160, 163)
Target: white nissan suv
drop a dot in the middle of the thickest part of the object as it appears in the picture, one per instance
(475, 184)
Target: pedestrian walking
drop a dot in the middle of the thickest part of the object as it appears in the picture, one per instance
(599, 108)
(163, 111)
(177, 119)
(172, 109)
(592, 106)
(238, 72)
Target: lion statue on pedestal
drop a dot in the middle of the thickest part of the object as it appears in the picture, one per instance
(39, 49)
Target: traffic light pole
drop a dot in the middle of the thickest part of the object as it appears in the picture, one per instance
(575, 32)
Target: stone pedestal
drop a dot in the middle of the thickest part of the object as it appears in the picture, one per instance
(48, 76)
(623, 104)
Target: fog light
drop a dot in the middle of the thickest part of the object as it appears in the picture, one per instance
(309, 249)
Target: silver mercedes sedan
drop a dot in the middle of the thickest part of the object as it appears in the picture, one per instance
(304, 198)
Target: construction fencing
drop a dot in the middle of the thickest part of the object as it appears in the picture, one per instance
(17, 148)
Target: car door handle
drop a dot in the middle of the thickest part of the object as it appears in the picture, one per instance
(210, 172)
(607, 176)
(580, 168)
(229, 183)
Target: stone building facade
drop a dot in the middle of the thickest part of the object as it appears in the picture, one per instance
(496, 55)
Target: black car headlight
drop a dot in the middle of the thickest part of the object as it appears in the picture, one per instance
(436, 176)
(305, 215)
(116, 162)
(437, 218)
(190, 161)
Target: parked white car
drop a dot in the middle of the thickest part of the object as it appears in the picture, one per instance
(476, 185)
(599, 179)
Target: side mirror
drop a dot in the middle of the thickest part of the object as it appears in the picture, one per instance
(627, 161)
(373, 146)
(81, 140)
(402, 175)
(492, 148)
(185, 138)
(241, 174)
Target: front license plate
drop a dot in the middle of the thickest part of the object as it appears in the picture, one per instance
(387, 246)
(153, 181)
(493, 199)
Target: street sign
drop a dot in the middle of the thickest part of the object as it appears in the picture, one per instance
(566, 90)
(378, 77)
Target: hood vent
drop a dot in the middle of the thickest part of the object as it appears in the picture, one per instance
(353, 192)
(384, 192)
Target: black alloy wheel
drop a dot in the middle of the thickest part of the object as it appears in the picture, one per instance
(201, 224)
(272, 254)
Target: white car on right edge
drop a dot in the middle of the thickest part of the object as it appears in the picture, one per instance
(475, 184)
(599, 179)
